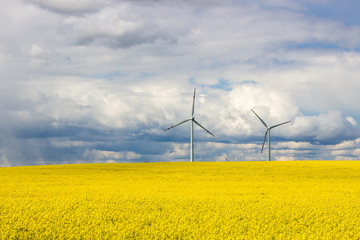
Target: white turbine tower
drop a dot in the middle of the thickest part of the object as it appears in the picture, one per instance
(192, 119)
(267, 133)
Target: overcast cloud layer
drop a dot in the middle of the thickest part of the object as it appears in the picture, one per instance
(98, 81)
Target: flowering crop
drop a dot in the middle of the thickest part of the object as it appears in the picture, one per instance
(213, 200)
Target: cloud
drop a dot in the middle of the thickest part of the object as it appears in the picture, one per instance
(63, 143)
(140, 35)
(178, 151)
(351, 120)
(70, 6)
(346, 154)
(82, 114)
(132, 155)
(120, 27)
(235, 110)
(349, 150)
(324, 127)
(107, 77)
(349, 144)
(292, 5)
(346, 150)
(185, 2)
(109, 156)
(285, 158)
(98, 154)
(4, 161)
(295, 145)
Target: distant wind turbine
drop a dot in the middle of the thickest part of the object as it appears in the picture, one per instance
(267, 133)
(192, 119)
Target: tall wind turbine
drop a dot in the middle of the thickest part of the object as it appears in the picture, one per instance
(267, 133)
(192, 119)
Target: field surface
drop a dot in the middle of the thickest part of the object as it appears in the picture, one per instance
(213, 200)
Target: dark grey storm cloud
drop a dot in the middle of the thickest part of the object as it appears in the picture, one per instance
(70, 7)
(143, 35)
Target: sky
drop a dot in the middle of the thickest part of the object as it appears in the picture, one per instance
(98, 81)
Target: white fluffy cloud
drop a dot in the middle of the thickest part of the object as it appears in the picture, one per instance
(120, 27)
(109, 156)
(100, 103)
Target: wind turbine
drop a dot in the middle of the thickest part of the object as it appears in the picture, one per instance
(192, 119)
(267, 133)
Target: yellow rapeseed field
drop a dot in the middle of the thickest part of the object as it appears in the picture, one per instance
(212, 200)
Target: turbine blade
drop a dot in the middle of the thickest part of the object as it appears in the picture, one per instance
(279, 124)
(203, 127)
(262, 148)
(193, 105)
(260, 118)
(178, 124)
